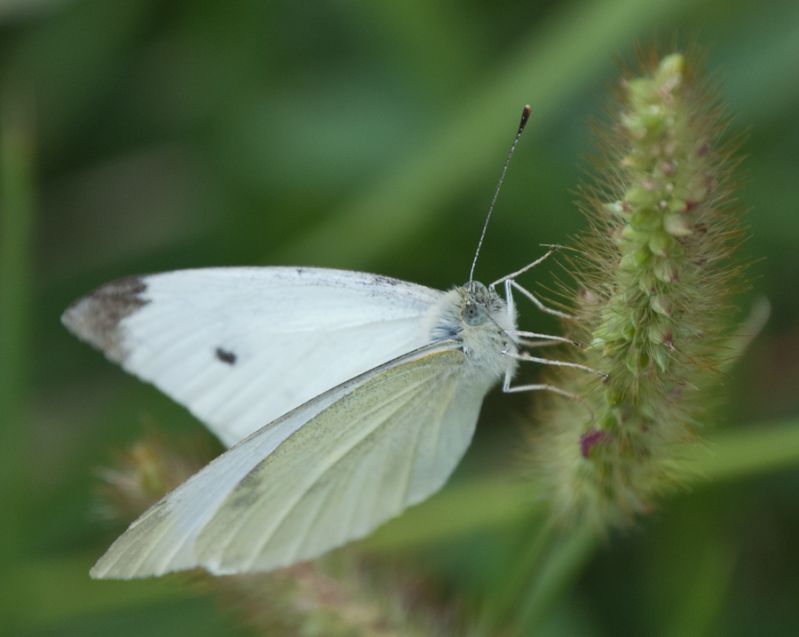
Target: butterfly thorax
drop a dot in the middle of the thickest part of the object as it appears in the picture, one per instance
(479, 319)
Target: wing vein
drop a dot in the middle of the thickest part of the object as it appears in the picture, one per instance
(378, 425)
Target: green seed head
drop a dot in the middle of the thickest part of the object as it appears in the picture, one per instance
(655, 275)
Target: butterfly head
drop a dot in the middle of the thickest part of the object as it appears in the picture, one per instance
(480, 320)
(478, 304)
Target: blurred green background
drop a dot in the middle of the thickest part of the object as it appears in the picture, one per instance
(141, 136)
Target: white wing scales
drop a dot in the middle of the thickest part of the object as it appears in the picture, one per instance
(241, 346)
(330, 471)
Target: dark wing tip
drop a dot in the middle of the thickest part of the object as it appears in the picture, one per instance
(95, 318)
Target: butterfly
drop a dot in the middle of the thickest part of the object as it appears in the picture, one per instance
(343, 399)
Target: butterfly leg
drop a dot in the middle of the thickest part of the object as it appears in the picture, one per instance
(525, 357)
(531, 339)
(506, 388)
(513, 275)
(512, 284)
(523, 336)
(527, 344)
(509, 282)
(541, 340)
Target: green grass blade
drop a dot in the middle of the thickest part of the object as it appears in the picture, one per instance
(16, 238)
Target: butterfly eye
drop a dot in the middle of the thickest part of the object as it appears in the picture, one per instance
(473, 314)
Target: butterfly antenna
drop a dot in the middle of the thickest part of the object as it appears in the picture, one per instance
(522, 123)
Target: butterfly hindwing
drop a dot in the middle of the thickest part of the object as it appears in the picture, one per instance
(329, 471)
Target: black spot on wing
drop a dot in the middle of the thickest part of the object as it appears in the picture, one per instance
(95, 318)
(226, 356)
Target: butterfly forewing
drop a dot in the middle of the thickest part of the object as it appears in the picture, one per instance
(241, 346)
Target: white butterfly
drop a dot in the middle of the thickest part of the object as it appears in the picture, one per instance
(344, 398)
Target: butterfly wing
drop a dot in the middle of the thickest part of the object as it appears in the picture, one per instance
(330, 471)
(241, 346)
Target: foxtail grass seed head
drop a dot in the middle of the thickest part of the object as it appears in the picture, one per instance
(147, 469)
(653, 299)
